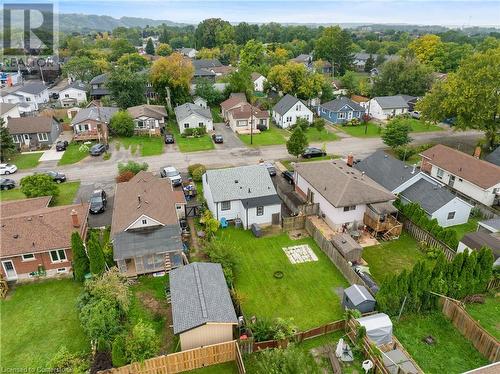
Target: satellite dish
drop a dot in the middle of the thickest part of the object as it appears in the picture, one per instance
(367, 365)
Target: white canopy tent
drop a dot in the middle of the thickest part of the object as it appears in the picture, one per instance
(378, 328)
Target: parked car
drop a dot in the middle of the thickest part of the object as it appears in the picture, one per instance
(217, 138)
(7, 184)
(6, 169)
(313, 152)
(171, 173)
(415, 114)
(169, 139)
(61, 145)
(288, 175)
(98, 149)
(98, 202)
(270, 168)
(56, 176)
(54, 96)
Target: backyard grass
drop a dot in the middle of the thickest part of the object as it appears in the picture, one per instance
(216, 116)
(308, 292)
(143, 145)
(202, 143)
(67, 193)
(226, 368)
(36, 320)
(464, 228)
(391, 257)
(26, 160)
(452, 352)
(373, 130)
(273, 136)
(72, 154)
(487, 314)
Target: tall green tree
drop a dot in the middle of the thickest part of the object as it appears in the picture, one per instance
(164, 49)
(213, 32)
(150, 48)
(127, 88)
(96, 256)
(81, 265)
(122, 124)
(252, 54)
(297, 142)
(243, 32)
(296, 80)
(206, 90)
(370, 64)
(133, 62)
(81, 68)
(396, 133)
(471, 95)
(119, 47)
(38, 185)
(7, 145)
(335, 46)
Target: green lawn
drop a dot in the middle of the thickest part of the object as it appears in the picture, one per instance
(452, 352)
(373, 130)
(67, 193)
(226, 368)
(314, 135)
(143, 145)
(73, 154)
(273, 136)
(307, 292)
(203, 143)
(421, 126)
(36, 320)
(26, 160)
(216, 115)
(391, 257)
(487, 314)
(464, 228)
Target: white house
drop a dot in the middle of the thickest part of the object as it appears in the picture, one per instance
(415, 186)
(385, 107)
(245, 192)
(29, 97)
(289, 109)
(200, 102)
(191, 116)
(343, 193)
(476, 179)
(258, 81)
(73, 94)
(188, 52)
(8, 110)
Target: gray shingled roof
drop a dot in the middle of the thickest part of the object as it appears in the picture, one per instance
(494, 223)
(494, 157)
(199, 295)
(478, 239)
(77, 85)
(358, 294)
(340, 104)
(430, 196)
(391, 102)
(286, 102)
(102, 114)
(242, 183)
(5, 107)
(99, 79)
(185, 110)
(386, 170)
(32, 88)
(206, 63)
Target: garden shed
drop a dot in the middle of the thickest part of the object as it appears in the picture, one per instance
(348, 247)
(378, 328)
(358, 297)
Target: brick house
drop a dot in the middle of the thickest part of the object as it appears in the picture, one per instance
(92, 123)
(36, 238)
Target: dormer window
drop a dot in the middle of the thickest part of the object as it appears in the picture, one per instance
(144, 221)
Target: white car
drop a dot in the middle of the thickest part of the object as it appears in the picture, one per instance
(6, 169)
(171, 173)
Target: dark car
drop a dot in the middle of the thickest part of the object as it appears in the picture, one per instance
(169, 139)
(313, 152)
(55, 95)
(98, 149)
(217, 138)
(56, 176)
(7, 184)
(61, 145)
(288, 175)
(98, 202)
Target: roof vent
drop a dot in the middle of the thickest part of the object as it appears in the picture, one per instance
(16, 236)
(249, 191)
(236, 181)
(29, 219)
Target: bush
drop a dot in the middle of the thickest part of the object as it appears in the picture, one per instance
(193, 167)
(80, 259)
(286, 361)
(142, 343)
(221, 252)
(198, 174)
(353, 122)
(66, 362)
(122, 124)
(132, 166)
(404, 152)
(118, 354)
(101, 319)
(278, 329)
(124, 177)
(39, 185)
(261, 127)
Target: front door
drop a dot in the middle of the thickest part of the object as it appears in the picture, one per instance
(451, 182)
(10, 271)
(26, 138)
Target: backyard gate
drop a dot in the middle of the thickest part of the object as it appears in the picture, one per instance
(193, 209)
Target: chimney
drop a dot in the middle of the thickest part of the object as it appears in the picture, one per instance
(414, 167)
(350, 160)
(74, 218)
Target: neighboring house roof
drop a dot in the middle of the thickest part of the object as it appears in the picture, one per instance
(386, 170)
(187, 50)
(223, 70)
(100, 114)
(338, 105)
(481, 173)
(30, 125)
(6, 107)
(185, 110)
(430, 196)
(246, 110)
(206, 63)
(245, 183)
(256, 76)
(233, 101)
(15, 207)
(145, 110)
(478, 239)
(302, 58)
(99, 79)
(204, 73)
(286, 103)
(391, 102)
(345, 244)
(199, 295)
(32, 88)
(358, 294)
(40, 229)
(360, 99)
(76, 85)
(409, 99)
(491, 224)
(494, 157)
(342, 185)
(146, 195)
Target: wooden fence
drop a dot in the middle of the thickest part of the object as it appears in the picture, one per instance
(186, 360)
(293, 223)
(484, 342)
(494, 284)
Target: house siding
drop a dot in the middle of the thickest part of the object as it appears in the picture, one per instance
(461, 209)
(78, 95)
(210, 333)
(290, 117)
(193, 120)
(376, 111)
(334, 116)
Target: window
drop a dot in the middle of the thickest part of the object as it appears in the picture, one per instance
(440, 173)
(58, 256)
(260, 210)
(61, 270)
(28, 257)
(140, 124)
(460, 180)
(144, 221)
(289, 119)
(451, 215)
(15, 138)
(349, 208)
(42, 136)
(341, 115)
(66, 95)
(186, 125)
(201, 124)
(496, 190)
(225, 205)
(298, 107)
(27, 98)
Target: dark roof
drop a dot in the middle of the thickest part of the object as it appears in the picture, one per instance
(386, 170)
(477, 240)
(100, 79)
(286, 102)
(206, 63)
(345, 244)
(199, 295)
(493, 223)
(358, 294)
(261, 201)
(32, 88)
(185, 110)
(101, 114)
(99, 91)
(339, 105)
(128, 244)
(494, 157)
(391, 102)
(30, 125)
(204, 73)
(430, 196)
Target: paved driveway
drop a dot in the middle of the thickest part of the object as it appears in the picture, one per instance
(51, 154)
(231, 140)
(83, 195)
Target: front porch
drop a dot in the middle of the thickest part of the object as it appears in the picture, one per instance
(88, 135)
(153, 263)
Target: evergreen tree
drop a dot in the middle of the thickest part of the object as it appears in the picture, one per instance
(80, 259)
(150, 48)
(7, 146)
(369, 64)
(96, 256)
(297, 142)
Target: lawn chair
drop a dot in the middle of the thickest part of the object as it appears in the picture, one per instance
(223, 223)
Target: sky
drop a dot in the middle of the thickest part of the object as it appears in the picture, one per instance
(424, 12)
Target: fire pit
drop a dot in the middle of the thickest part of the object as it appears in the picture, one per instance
(278, 274)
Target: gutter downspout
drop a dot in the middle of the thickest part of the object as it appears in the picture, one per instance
(217, 210)
(246, 211)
